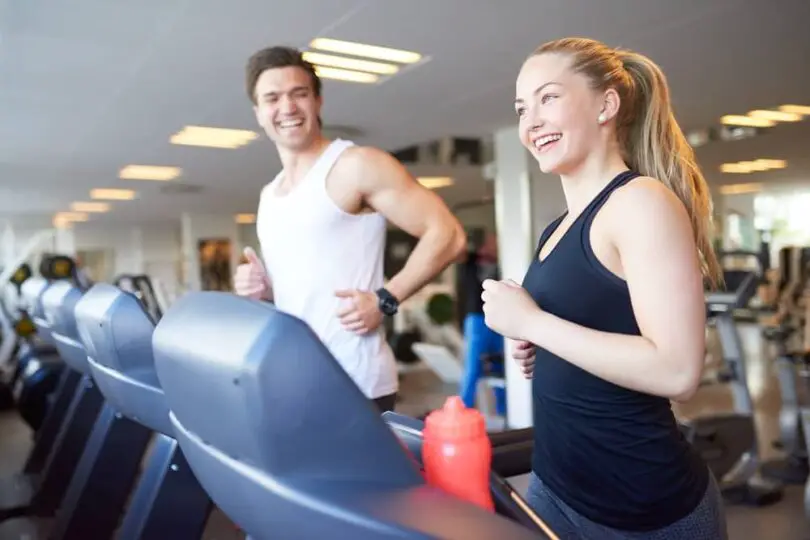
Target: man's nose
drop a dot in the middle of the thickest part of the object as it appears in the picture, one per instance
(288, 106)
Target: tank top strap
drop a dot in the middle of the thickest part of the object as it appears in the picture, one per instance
(593, 207)
(329, 157)
(547, 232)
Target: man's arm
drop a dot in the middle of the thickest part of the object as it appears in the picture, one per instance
(388, 188)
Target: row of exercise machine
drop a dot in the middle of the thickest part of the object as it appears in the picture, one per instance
(159, 414)
(225, 402)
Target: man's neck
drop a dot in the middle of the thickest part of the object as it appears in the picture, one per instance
(295, 163)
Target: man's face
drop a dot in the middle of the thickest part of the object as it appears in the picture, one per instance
(287, 107)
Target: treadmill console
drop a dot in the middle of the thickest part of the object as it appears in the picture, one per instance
(740, 287)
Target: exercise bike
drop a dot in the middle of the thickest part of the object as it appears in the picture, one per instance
(728, 441)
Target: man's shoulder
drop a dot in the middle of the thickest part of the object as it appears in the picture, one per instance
(358, 158)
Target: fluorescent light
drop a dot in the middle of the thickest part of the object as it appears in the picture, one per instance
(367, 51)
(739, 189)
(435, 182)
(92, 207)
(776, 116)
(112, 194)
(244, 219)
(734, 168)
(345, 75)
(739, 120)
(213, 137)
(796, 109)
(64, 220)
(321, 59)
(757, 165)
(149, 172)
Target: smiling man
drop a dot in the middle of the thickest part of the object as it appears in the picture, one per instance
(322, 225)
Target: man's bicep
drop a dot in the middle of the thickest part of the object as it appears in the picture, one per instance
(389, 189)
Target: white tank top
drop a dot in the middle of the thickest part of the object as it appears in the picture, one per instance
(311, 249)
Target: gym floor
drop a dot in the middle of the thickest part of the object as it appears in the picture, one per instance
(422, 391)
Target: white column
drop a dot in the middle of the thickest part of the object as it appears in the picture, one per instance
(526, 201)
(513, 218)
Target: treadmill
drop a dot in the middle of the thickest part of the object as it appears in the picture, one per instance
(286, 444)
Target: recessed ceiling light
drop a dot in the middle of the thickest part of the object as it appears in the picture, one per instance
(321, 59)
(244, 219)
(776, 116)
(435, 182)
(796, 109)
(64, 220)
(345, 75)
(112, 194)
(739, 189)
(149, 172)
(211, 137)
(740, 120)
(758, 165)
(92, 207)
(367, 51)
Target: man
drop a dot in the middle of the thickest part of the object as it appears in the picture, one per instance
(322, 226)
(479, 339)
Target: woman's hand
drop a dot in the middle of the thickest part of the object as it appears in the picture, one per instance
(508, 308)
(524, 353)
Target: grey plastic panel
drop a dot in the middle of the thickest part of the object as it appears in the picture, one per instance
(58, 303)
(117, 334)
(32, 291)
(282, 439)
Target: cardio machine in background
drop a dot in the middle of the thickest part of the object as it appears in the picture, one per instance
(728, 441)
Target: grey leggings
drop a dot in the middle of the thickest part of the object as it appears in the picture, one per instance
(706, 522)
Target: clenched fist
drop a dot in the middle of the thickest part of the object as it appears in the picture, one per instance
(524, 352)
(251, 278)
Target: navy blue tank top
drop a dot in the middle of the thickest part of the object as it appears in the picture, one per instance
(614, 455)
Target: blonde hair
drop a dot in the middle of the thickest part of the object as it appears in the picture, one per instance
(650, 138)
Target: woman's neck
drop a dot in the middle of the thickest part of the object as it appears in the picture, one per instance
(583, 183)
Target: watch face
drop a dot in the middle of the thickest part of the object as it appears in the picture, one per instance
(388, 304)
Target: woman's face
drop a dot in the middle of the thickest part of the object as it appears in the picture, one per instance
(558, 112)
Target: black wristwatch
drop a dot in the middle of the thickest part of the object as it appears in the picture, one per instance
(388, 303)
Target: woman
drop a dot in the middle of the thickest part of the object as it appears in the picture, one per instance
(610, 319)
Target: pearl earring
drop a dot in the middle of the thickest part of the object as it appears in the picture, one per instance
(601, 118)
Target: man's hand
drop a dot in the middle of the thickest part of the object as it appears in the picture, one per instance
(524, 353)
(361, 314)
(251, 278)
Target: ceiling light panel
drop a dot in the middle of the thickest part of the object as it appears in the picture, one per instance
(346, 75)
(91, 207)
(365, 51)
(757, 165)
(435, 182)
(321, 59)
(776, 116)
(149, 172)
(358, 62)
(103, 194)
(796, 109)
(245, 219)
(211, 137)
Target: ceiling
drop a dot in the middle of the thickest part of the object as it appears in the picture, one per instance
(89, 86)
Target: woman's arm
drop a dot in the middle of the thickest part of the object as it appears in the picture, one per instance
(653, 236)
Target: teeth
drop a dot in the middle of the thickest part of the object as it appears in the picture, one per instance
(290, 123)
(547, 139)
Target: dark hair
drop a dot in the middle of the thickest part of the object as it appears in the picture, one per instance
(650, 137)
(277, 57)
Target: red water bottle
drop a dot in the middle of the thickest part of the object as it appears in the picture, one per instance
(457, 453)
